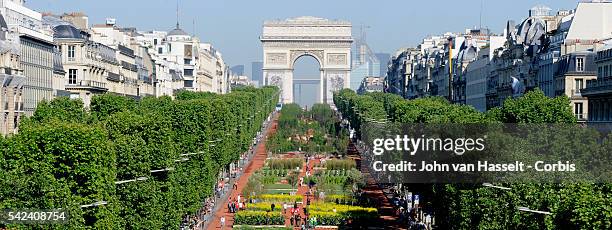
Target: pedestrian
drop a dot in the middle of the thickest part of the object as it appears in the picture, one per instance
(229, 205)
(235, 185)
(222, 222)
(291, 220)
(272, 206)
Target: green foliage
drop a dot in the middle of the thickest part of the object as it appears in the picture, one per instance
(535, 107)
(468, 206)
(323, 114)
(108, 104)
(61, 165)
(325, 214)
(186, 95)
(336, 164)
(61, 109)
(291, 163)
(314, 131)
(259, 218)
(65, 157)
(276, 198)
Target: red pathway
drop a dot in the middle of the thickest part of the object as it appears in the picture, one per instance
(302, 191)
(388, 216)
(258, 162)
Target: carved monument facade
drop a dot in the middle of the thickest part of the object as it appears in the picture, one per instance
(328, 41)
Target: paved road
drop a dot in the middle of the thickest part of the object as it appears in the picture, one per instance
(258, 162)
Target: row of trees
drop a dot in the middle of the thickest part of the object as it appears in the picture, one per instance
(469, 206)
(144, 163)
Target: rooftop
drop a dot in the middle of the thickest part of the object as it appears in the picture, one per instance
(307, 20)
(177, 31)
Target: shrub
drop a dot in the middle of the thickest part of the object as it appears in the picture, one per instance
(328, 218)
(325, 212)
(259, 218)
(341, 198)
(280, 198)
(340, 164)
(291, 163)
(263, 206)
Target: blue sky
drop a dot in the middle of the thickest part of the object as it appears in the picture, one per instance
(233, 26)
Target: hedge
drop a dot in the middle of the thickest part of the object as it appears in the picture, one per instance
(279, 198)
(259, 218)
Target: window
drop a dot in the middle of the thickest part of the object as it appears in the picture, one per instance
(580, 64)
(578, 110)
(188, 72)
(74, 96)
(187, 61)
(160, 50)
(71, 53)
(72, 77)
(579, 85)
(155, 41)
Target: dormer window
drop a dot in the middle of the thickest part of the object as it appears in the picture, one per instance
(580, 64)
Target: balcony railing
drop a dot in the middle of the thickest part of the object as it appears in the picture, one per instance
(599, 85)
(113, 77)
(89, 84)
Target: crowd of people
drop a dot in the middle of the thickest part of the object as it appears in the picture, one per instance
(408, 213)
(235, 205)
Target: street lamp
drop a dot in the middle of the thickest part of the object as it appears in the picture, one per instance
(99, 203)
(182, 159)
(494, 186)
(188, 154)
(132, 180)
(161, 170)
(526, 209)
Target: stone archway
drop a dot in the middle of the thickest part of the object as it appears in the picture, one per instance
(328, 41)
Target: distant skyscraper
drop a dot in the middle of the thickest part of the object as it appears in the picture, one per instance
(364, 64)
(384, 60)
(257, 72)
(237, 70)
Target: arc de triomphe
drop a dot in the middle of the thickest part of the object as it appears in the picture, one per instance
(328, 41)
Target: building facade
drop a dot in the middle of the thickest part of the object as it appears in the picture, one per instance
(371, 85)
(553, 52)
(36, 52)
(599, 91)
(11, 80)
